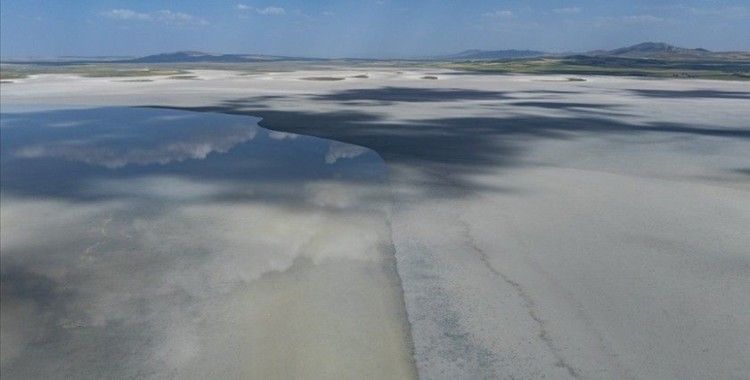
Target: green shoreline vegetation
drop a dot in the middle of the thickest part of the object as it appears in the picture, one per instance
(16, 71)
(586, 65)
(732, 68)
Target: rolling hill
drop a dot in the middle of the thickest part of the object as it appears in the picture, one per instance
(196, 56)
(661, 50)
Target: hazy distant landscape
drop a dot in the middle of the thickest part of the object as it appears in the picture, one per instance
(647, 59)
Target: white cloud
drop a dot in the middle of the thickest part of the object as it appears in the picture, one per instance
(177, 17)
(567, 11)
(499, 14)
(126, 14)
(164, 16)
(272, 11)
(641, 19)
(267, 11)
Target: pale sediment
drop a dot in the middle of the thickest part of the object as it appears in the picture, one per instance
(587, 229)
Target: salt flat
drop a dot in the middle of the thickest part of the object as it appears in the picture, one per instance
(542, 227)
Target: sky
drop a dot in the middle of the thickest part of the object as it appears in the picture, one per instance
(366, 28)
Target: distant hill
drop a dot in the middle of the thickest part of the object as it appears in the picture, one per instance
(646, 50)
(663, 50)
(492, 54)
(650, 48)
(196, 56)
(176, 57)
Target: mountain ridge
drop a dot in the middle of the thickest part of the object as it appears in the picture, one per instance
(654, 50)
(190, 56)
(644, 50)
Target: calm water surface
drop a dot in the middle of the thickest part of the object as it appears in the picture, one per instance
(157, 243)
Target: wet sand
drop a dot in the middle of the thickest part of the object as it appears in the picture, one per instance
(542, 228)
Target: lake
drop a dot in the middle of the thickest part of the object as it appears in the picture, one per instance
(143, 242)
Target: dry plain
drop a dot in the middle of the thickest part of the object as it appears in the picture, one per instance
(541, 227)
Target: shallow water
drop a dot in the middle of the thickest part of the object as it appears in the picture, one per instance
(144, 242)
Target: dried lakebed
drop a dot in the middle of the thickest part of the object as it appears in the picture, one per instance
(590, 229)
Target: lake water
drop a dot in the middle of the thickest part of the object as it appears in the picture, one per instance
(143, 242)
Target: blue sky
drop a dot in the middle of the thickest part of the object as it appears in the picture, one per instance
(367, 28)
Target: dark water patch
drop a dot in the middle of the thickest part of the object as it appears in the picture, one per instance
(57, 153)
(451, 150)
(687, 94)
(410, 94)
(324, 79)
(562, 105)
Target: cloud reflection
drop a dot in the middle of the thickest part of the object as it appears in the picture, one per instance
(161, 153)
(276, 135)
(168, 272)
(338, 150)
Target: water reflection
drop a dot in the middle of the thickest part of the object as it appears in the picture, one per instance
(158, 243)
(339, 150)
(41, 160)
